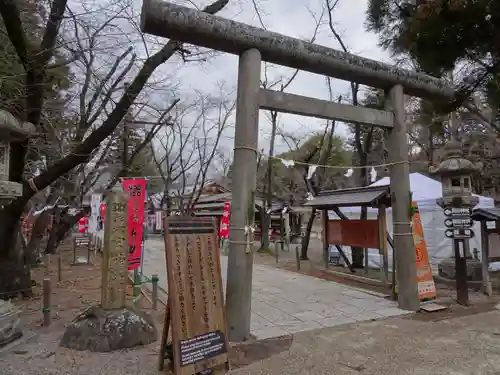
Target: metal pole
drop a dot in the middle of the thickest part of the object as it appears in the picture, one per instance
(404, 248)
(240, 259)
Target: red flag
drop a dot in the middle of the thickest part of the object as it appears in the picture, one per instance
(83, 224)
(135, 189)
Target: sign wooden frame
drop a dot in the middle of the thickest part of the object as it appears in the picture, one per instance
(195, 310)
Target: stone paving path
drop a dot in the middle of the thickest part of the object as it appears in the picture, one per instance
(285, 302)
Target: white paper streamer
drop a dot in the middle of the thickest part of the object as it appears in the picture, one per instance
(373, 175)
(311, 170)
(287, 163)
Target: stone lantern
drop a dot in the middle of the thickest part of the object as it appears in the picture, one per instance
(11, 131)
(456, 173)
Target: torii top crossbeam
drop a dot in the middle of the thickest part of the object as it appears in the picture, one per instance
(192, 26)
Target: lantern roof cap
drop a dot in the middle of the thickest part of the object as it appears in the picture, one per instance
(454, 163)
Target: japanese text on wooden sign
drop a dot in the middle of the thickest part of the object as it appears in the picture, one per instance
(196, 300)
(135, 190)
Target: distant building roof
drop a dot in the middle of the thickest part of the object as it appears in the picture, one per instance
(363, 196)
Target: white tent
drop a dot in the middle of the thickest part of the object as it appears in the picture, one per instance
(425, 191)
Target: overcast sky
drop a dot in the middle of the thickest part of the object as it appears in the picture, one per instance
(185, 81)
(293, 18)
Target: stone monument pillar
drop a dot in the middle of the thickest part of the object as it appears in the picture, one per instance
(115, 252)
(111, 325)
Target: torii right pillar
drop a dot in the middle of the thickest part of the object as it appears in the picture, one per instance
(404, 247)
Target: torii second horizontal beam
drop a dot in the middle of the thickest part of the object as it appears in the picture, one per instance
(192, 26)
(305, 106)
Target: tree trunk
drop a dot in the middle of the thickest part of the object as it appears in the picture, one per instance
(15, 275)
(66, 224)
(264, 229)
(32, 255)
(307, 236)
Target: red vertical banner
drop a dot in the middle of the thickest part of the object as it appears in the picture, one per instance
(103, 212)
(135, 189)
(224, 221)
(83, 224)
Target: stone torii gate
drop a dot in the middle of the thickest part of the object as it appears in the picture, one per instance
(253, 45)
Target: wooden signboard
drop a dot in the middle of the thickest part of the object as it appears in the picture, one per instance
(358, 233)
(195, 310)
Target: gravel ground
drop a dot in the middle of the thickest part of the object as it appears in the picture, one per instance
(38, 352)
(41, 355)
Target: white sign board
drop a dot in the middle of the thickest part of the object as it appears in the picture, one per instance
(10, 189)
(4, 161)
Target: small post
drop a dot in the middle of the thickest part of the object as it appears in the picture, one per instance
(74, 250)
(137, 295)
(89, 250)
(154, 283)
(394, 281)
(297, 257)
(326, 246)
(137, 283)
(485, 250)
(47, 264)
(384, 264)
(366, 260)
(59, 268)
(276, 251)
(46, 302)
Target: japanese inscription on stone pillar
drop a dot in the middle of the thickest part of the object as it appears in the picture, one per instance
(115, 251)
(196, 299)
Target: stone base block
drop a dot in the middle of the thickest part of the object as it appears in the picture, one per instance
(15, 279)
(99, 330)
(10, 323)
(447, 269)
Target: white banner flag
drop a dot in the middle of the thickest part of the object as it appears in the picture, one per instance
(95, 204)
(159, 222)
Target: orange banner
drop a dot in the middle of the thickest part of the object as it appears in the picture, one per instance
(426, 286)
